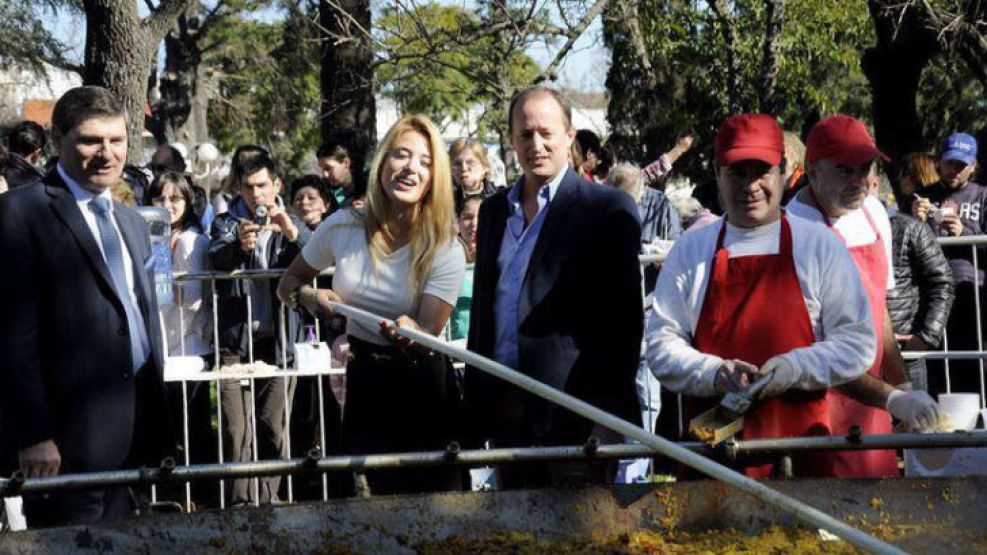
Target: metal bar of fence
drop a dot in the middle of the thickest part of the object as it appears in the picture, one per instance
(270, 273)
(288, 395)
(944, 355)
(476, 457)
(976, 308)
(759, 490)
(219, 390)
(644, 260)
(322, 412)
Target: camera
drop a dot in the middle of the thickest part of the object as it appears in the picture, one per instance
(262, 215)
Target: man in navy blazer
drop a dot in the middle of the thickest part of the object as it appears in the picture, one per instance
(556, 294)
(80, 343)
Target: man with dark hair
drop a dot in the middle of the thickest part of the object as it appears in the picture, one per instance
(592, 149)
(255, 233)
(26, 141)
(336, 165)
(80, 354)
(956, 206)
(167, 158)
(541, 246)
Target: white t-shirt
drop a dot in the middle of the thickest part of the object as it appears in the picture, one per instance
(853, 226)
(381, 288)
(834, 297)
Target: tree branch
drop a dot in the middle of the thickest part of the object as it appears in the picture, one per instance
(574, 34)
(163, 19)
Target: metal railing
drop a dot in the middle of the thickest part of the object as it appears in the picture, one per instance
(212, 277)
(321, 463)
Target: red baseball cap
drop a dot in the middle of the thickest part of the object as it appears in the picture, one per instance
(844, 139)
(749, 137)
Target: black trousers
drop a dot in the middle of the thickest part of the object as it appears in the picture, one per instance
(397, 403)
(91, 506)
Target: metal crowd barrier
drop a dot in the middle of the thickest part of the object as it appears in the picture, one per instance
(286, 373)
(322, 463)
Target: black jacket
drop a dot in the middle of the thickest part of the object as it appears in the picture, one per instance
(65, 369)
(923, 293)
(225, 255)
(488, 190)
(579, 315)
(19, 171)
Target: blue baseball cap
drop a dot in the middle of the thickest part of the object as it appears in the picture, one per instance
(960, 146)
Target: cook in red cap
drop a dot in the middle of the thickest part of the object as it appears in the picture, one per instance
(760, 297)
(749, 150)
(749, 137)
(840, 155)
(843, 139)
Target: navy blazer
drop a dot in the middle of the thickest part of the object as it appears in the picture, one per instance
(65, 371)
(580, 316)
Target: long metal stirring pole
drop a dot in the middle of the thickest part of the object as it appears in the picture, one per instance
(797, 508)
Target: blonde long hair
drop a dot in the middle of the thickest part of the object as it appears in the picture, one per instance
(432, 226)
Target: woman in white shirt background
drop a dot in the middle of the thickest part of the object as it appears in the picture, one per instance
(188, 320)
(397, 256)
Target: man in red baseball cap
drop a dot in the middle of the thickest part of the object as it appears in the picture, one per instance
(840, 156)
(760, 296)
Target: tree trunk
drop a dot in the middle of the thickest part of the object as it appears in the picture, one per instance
(728, 27)
(347, 77)
(118, 57)
(120, 48)
(771, 65)
(894, 68)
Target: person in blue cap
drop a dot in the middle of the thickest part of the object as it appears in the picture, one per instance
(955, 206)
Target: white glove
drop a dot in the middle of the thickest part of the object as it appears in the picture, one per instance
(785, 376)
(733, 376)
(915, 408)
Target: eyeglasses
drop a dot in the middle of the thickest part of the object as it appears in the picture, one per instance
(173, 200)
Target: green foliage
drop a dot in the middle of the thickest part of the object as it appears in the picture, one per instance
(24, 40)
(819, 71)
(268, 87)
(950, 99)
(437, 60)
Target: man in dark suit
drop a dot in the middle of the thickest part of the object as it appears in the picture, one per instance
(557, 294)
(80, 344)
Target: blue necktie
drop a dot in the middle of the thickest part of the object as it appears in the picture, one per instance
(113, 250)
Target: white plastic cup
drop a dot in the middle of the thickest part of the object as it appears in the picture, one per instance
(962, 409)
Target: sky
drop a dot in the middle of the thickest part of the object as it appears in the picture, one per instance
(584, 69)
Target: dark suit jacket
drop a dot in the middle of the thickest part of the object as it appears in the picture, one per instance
(65, 371)
(580, 315)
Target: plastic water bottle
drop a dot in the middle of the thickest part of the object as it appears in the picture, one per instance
(159, 226)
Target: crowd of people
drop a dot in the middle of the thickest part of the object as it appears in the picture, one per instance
(794, 269)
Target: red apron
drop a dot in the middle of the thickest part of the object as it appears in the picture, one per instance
(752, 311)
(872, 265)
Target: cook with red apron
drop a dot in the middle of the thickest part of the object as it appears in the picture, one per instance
(841, 154)
(761, 295)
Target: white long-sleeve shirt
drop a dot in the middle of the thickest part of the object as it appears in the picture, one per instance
(845, 346)
(191, 254)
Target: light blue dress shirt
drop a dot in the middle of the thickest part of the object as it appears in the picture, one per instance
(515, 252)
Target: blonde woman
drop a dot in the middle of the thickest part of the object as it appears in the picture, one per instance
(397, 256)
